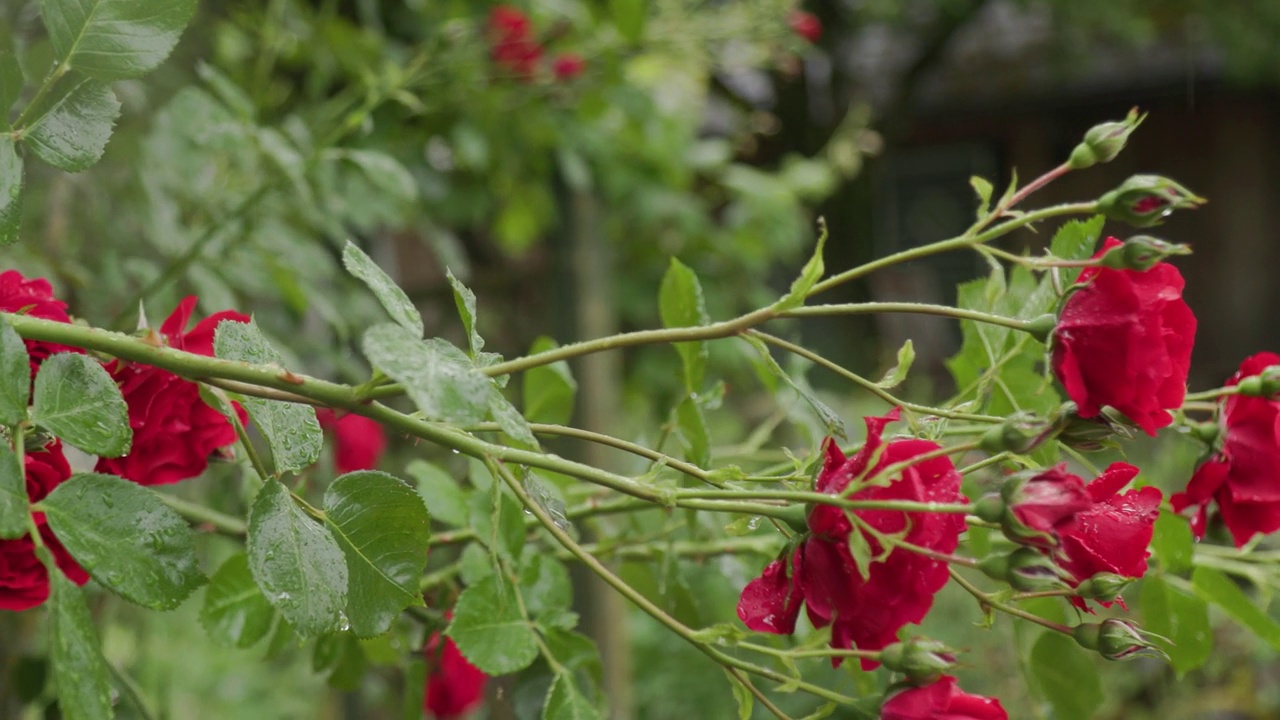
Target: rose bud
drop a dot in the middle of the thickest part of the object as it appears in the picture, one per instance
(1116, 639)
(1092, 434)
(1145, 200)
(1266, 384)
(806, 25)
(1103, 586)
(1141, 252)
(1025, 570)
(922, 660)
(1102, 143)
(1038, 501)
(1019, 433)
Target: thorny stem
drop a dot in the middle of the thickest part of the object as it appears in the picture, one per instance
(871, 308)
(986, 601)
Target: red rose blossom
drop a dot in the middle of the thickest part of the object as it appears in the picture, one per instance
(34, 297)
(454, 686)
(1244, 476)
(358, 441)
(568, 66)
(1124, 340)
(174, 431)
(941, 700)
(512, 46)
(822, 574)
(24, 581)
(806, 25)
(1048, 499)
(1111, 536)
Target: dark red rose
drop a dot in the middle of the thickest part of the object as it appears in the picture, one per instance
(806, 25)
(24, 582)
(1111, 536)
(1244, 476)
(1124, 340)
(822, 574)
(512, 47)
(34, 297)
(454, 686)
(174, 431)
(568, 66)
(358, 441)
(941, 700)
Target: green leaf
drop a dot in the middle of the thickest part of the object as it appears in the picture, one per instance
(1075, 240)
(79, 669)
(126, 537)
(384, 529)
(437, 376)
(746, 702)
(489, 630)
(1066, 675)
(115, 39)
(393, 299)
(73, 134)
(1220, 590)
(14, 507)
(549, 390)
(10, 191)
(498, 521)
(384, 171)
(444, 497)
(510, 419)
(78, 401)
(544, 585)
(984, 189)
(810, 274)
(565, 701)
(297, 563)
(415, 688)
(10, 71)
(15, 375)
(466, 303)
(1180, 617)
(235, 613)
(828, 417)
(291, 429)
(896, 374)
(629, 17)
(693, 432)
(1173, 544)
(680, 304)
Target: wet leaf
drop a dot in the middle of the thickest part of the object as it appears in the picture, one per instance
(14, 508)
(235, 613)
(79, 669)
(10, 191)
(438, 377)
(115, 39)
(76, 400)
(15, 376)
(393, 299)
(489, 630)
(73, 133)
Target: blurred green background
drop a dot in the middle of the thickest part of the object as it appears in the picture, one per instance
(709, 130)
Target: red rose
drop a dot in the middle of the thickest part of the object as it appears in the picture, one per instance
(454, 686)
(34, 297)
(806, 25)
(1047, 499)
(24, 582)
(822, 573)
(941, 700)
(1124, 340)
(1111, 536)
(358, 441)
(1244, 476)
(174, 431)
(568, 66)
(512, 48)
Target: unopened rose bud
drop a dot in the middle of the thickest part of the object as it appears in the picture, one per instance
(1264, 384)
(1116, 639)
(1090, 434)
(1144, 200)
(1038, 501)
(1142, 252)
(990, 508)
(1025, 570)
(1103, 586)
(1019, 433)
(922, 660)
(1102, 143)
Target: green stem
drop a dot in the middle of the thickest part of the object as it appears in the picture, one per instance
(19, 125)
(197, 513)
(986, 600)
(957, 243)
(811, 653)
(866, 384)
(870, 308)
(1211, 394)
(1021, 194)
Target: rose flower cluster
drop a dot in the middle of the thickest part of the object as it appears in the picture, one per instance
(515, 51)
(1121, 349)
